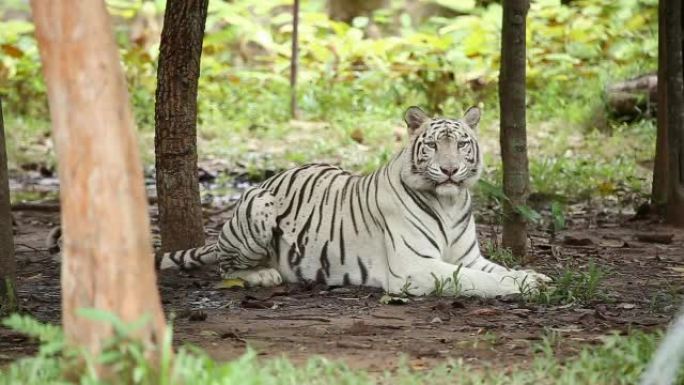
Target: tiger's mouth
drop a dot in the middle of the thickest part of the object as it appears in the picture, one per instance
(449, 182)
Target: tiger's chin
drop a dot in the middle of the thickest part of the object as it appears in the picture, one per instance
(449, 188)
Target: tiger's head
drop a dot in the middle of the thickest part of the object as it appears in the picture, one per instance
(444, 153)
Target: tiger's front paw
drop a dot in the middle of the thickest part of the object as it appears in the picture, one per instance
(265, 277)
(526, 281)
(539, 277)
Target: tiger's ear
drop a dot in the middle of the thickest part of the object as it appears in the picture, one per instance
(414, 118)
(472, 117)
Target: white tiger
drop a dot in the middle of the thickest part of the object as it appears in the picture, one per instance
(404, 228)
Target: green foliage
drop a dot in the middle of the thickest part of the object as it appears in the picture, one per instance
(439, 62)
(360, 78)
(619, 360)
(491, 192)
(50, 336)
(450, 286)
(616, 361)
(8, 295)
(557, 216)
(580, 287)
(500, 255)
(21, 80)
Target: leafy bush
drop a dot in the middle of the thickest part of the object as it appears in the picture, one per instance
(572, 286)
(442, 63)
(360, 78)
(619, 360)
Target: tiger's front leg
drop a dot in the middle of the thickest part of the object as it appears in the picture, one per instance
(427, 275)
(466, 251)
(245, 244)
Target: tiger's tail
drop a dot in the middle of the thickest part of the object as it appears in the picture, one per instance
(187, 259)
(53, 241)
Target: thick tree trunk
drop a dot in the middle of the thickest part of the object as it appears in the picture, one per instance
(513, 136)
(175, 142)
(107, 261)
(674, 82)
(660, 187)
(294, 60)
(8, 296)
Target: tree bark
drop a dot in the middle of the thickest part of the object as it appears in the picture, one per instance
(675, 112)
(294, 59)
(107, 260)
(660, 187)
(175, 142)
(513, 136)
(8, 296)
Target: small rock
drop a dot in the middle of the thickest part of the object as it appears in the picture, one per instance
(577, 241)
(247, 304)
(663, 238)
(341, 290)
(197, 315)
(353, 345)
(614, 243)
(457, 305)
(520, 312)
(357, 136)
(208, 333)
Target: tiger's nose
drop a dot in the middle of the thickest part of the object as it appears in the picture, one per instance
(449, 171)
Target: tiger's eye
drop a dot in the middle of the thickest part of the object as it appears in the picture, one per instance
(431, 145)
(462, 144)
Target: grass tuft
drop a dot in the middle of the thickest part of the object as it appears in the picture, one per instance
(618, 360)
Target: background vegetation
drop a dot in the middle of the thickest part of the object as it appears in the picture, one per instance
(356, 81)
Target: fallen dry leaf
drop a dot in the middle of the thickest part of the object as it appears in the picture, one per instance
(483, 312)
(230, 283)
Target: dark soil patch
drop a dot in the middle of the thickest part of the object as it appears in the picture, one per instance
(641, 290)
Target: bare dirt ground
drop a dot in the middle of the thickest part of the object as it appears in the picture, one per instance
(641, 291)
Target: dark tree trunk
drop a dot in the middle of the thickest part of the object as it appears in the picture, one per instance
(347, 10)
(107, 260)
(660, 189)
(8, 297)
(513, 136)
(674, 83)
(175, 142)
(294, 59)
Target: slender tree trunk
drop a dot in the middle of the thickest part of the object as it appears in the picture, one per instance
(660, 189)
(513, 136)
(294, 59)
(175, 142)
(8, 296)
(675, 112)
(107, 261)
